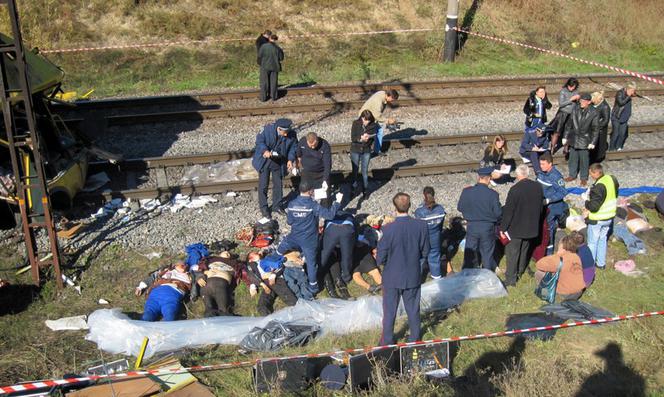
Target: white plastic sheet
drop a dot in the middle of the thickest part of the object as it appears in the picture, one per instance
(116, 333)
(226, 171)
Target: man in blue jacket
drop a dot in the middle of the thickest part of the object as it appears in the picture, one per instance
(480, 207)
(303, 214)
(274, 155)
(405, 243)
(553, 184)
(434, 215)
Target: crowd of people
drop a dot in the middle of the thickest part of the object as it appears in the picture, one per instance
(329, 247)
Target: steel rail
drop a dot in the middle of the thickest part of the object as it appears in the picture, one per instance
(330, 107)
(388, 144)
(331, 90)
(337, 177)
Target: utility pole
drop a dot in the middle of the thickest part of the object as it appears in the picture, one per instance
(450, 48)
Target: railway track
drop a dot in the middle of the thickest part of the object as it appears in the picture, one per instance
(140, 164)
(331, 90)
(209, 112)
(330, 107)
(163, 188)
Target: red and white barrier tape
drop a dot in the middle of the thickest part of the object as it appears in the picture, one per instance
(239, 364)
(560, 54)
(212, 41)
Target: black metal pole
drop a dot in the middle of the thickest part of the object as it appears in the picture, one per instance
(450, 48)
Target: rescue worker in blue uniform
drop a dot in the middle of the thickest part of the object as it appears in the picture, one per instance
(340, 232)
(302, 215)
(434, 215)
(274, 155)
(480, 207)
(405, 243)
(553, 184)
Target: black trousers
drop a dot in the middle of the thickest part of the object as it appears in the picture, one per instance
(518, 256)
(277, 190)
(344, 237)
(217, 297)
(269, 85)
(280, 289)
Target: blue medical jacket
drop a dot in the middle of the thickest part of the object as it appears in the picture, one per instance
(553, 185)
(302, 215)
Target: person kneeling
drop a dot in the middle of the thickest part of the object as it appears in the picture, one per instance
(570, 282)
(165, 295)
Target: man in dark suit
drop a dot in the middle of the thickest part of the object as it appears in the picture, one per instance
(480, 207)
(404, 245)
(521, 222)
(270, 56)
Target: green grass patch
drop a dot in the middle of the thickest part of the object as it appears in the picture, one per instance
(28, 350)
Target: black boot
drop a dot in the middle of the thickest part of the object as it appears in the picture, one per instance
(342, 289)
(329, 286)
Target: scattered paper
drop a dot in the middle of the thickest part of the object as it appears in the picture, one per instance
(103, 301)
(68, 323)
(320, 194)
(231, 194)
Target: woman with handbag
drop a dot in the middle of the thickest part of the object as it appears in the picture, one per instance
(561, 272)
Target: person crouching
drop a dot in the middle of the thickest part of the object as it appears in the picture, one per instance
(166, 294)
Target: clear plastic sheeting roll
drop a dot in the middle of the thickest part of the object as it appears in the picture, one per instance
(114, 332)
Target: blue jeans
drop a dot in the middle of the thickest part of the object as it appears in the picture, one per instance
(308, 246)
(163, 301)
(597, 235)
(619, 134)
(378, 142)
(361, 161)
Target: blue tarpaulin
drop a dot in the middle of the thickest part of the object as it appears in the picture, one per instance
(628, 191)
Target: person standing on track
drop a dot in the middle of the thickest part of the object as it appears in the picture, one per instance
(536, 106)
(598, 154)
(362, 135)
(622, 111)
(270, 56)
(480, 207)
(434, 215)
(568, 96)
(581, 134)
(274, 155)
(405, 243)
(314, 159)
(376, 105)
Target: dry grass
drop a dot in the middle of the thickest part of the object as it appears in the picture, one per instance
(631, 37)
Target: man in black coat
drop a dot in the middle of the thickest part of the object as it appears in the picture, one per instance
(262, 39)
(270, 56)
(622, 111)
(581, 134)
(405, 243)
(522, 214)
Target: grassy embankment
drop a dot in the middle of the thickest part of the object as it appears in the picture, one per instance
(631, 38)
(28, 350)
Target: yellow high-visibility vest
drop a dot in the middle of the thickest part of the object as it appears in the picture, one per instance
(608, 208)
